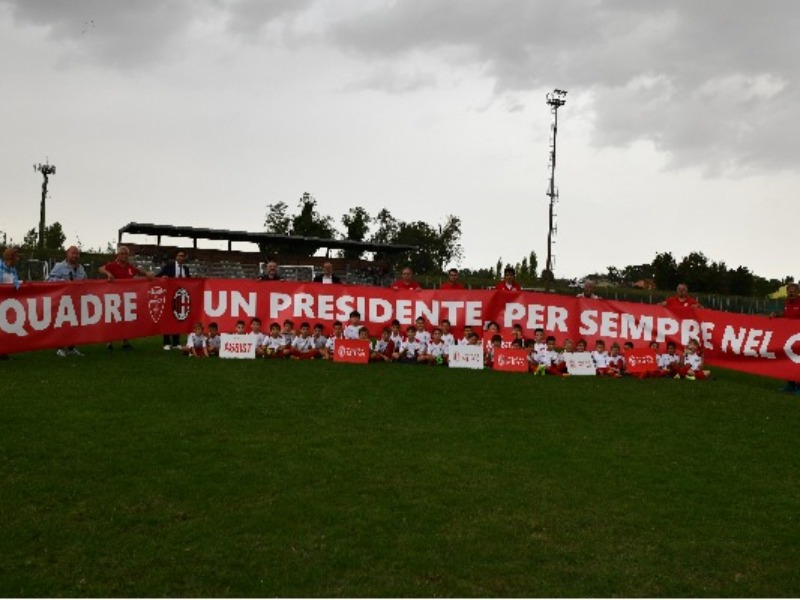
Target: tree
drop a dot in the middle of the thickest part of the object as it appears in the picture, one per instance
(31, 240)
(498, 271)
(356, 224)
(309, 223)
(448, 247)
(533, 264)
(693, 271)
(277, 220)
(742, 282)
(54, 237)
(386, 233)
(665, 271)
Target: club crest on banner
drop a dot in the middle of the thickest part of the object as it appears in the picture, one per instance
(181, 304)
(156, 300)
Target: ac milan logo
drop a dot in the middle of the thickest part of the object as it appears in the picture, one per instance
(181, 304)
(156, 300)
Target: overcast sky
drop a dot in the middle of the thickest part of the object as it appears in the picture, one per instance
(680, 130)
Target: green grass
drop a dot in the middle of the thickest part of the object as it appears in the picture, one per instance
(146, 474)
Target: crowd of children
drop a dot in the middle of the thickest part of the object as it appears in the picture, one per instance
(419, 345)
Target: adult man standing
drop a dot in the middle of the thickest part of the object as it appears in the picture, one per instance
(69, 269)
(406, 281)
(327, 275)
(174, 268)
(791, 310)
(509, 283)
(8, 275)
(452, 282)
(8, 268)
(682, 301)
(120, 268)
(272, 272)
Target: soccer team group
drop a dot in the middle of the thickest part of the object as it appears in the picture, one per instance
(421, 345)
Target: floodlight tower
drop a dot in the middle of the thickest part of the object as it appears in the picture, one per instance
(46, 170)
(555, 99)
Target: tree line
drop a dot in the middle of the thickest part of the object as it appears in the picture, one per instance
(696, 270)
(438, 245)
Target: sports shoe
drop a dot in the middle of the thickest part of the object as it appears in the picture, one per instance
(75, 352)
(61, 352)
(127, 347)
(691, 377)
(790, 388)
(109, 346)
(167, 347)
(677, 376)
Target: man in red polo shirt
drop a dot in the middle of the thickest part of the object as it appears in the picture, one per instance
(509, 283)
(452, 283)
(406, 281)
(682, 301)
(120, 268)
(791, 310)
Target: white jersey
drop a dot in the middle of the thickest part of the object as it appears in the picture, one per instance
(288, 337)
(320, 341)
(331, 343)
(259, 337)
(380, 345)
(398, 339)
(437, 350)
(411, 349)
(665, 360)
(693, 361)
(214, 343)
(273, 343)
(449, 339)
(600, 359)
(539, 347)
(351, 332)
(195, 341)
(303, 344)
(423, 336)
(618, 361)
(548, 358)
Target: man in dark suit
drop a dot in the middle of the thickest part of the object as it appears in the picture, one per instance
(327, 275)
(174, 268)
(271, 274)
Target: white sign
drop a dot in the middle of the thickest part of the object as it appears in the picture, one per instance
(466, 357)
(580, 363)
(237, 346)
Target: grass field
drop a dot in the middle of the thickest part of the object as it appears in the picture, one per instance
(147, 474)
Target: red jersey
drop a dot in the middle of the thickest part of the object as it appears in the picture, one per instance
(791, 310)
(675, 303)
(402, 284)
(508, 287)
(449, 285)
(121, 271)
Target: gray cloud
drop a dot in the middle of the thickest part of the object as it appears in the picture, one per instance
(710, 83)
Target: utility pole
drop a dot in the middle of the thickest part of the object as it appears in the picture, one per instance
(46, 170)
(555, 99)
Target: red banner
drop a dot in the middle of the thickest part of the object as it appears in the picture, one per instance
(50, 315)
(640, 360)
(351, 351)
(511, 359)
